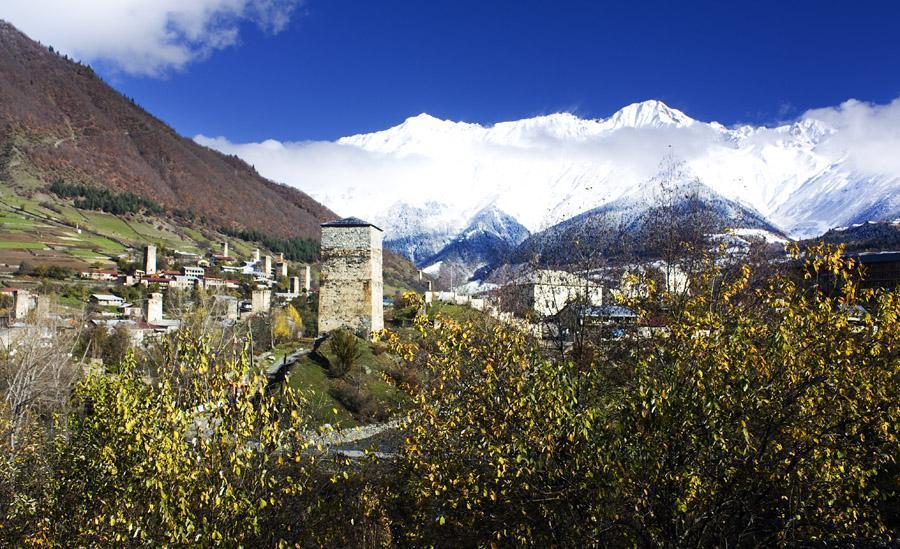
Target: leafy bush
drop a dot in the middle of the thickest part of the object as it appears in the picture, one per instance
(407, 305)
(346, 350)
(52, 271)
(201, 455)
(763, 414)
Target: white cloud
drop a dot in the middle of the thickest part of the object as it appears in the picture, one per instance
(868, 134)
(143, 37)
(468, 175)
(548, 169)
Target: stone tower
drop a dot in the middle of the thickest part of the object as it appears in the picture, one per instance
(153, 309)
(260, 301)
(150, 260)
(351, 288)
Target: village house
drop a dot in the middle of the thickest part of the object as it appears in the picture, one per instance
(211, 282)
(185, 257)
(880, 269)
(228, 306)
(23, 302)
(195, 272)
(260, 301)
(107, 276)
(161, 281)
(546, 292)
(667, 277)
(107, 300)
(129, 310)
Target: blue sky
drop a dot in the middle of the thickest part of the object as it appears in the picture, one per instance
(324, 69)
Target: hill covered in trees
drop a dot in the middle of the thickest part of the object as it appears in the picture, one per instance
(59, 120)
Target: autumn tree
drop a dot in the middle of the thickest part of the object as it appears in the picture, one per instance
(286, 323)
(205, 460)
(765, 412)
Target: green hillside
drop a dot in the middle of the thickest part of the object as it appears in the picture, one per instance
(43, 229)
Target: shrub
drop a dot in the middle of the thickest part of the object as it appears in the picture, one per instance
(346, 350)
(764, 414)
(359, 401)
(202, 454)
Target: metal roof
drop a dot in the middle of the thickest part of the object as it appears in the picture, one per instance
(876, 257)
(608, 311)
(349, 222)
(107, 297)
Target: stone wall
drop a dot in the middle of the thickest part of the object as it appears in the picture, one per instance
(351, 288)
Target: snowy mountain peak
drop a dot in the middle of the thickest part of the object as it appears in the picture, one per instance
(424, 120)
(494, 221)
(652, 114)
(489, 238)
(827, 168)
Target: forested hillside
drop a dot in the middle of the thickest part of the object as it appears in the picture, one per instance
(59, 120)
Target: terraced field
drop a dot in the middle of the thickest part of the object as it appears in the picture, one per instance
(43, 229)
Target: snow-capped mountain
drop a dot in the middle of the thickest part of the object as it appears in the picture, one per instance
(668, 209)
(418, 232)
(489, 238)
(423, 179)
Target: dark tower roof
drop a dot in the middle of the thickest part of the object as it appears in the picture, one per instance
(349, 222)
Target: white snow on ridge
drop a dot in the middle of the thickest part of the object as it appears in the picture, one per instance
(768, 236)
(429, 176)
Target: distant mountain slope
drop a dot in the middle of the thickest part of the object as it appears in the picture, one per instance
(417, 232)
(488, 239)
(866, 237)
(58, 119)
(547, 169)
(640, 224)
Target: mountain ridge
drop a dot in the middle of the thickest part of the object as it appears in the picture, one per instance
(58, 119)
(489, 238)
(549, 168)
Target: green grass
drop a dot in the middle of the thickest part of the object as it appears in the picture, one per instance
(312, 380)
(239, 248)
(460, 313)
(14, 245)
(148, 232)
(100, 243)
(85, 253)
(71, 301)
(104, 235)
(70, 214)
(11, 220)
(110, 225)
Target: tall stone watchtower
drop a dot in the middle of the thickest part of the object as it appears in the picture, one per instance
(150, 260)
(351, 289)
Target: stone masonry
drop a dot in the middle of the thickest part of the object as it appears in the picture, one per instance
(351, 289)
(150, 260)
